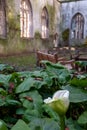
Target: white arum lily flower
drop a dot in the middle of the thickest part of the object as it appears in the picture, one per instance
(59, 102)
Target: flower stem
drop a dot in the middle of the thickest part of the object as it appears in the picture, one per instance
(62, 122)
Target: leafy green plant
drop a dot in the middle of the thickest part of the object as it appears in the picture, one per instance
(65, 35)
(22, 97)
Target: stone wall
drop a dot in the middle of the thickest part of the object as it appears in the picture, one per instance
(68, 10)
(13, 43)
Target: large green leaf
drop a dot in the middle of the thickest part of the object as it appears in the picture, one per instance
(81, 63)
(73, 125)
(79, 82)
(20, 111)
(58, 71)
(48, 63)
(3, 92)
(36, 99)
(4, 79)
(30, 115)
(20, 125)
(26, 85)
(3, 125)
(50, 112)
(24, 74)
(76, 94)
(12, 102)
(8, 101)
(44, 124)
(38, 73)
(33, 106)
(83, 118)
(43, 76)
(5, 66)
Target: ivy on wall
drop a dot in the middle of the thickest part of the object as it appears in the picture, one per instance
(65, 34)
(51, 11)
(13, 19)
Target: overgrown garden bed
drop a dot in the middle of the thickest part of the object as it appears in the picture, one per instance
(22, 97)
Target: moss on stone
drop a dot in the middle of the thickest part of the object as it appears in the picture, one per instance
(13, 19)
(51, 11)
(37, 35)
(13, 43)
(65, 34)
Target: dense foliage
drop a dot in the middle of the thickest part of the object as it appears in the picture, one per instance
(65, 34)
(22, 95)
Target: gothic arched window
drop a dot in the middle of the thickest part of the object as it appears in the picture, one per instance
(45, 23)
(26, 19)
(2, 19)
(77, 26)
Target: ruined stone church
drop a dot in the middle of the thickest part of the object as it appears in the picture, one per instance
(28, 25)
(74, 18)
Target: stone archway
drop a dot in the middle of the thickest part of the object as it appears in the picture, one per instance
(77, 26)
(45, 23)
(26, 19)
(3, 31)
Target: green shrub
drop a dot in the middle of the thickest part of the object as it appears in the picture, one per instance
(65, 34)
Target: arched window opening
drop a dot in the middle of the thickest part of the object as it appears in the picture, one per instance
(2, 19)
(26, 19)
(77, 26)
(45, 23)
